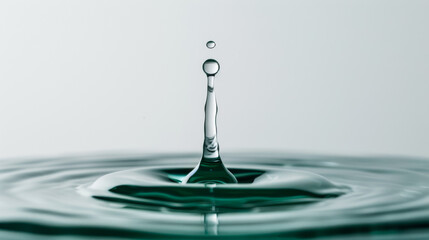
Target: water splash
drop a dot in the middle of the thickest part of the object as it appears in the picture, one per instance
(210, 169)
(296, 196)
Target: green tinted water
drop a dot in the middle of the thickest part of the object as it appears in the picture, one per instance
(278, 196)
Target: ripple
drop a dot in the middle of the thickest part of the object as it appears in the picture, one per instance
(154, 188)
(279, 196)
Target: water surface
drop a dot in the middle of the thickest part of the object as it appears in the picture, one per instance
(279, 196)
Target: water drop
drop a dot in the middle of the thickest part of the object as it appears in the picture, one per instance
(211, 44)
(211, 67)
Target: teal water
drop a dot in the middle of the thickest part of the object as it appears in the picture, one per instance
(278, 196)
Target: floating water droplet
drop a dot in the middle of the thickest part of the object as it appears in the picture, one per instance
(211, 44)
(211, 67)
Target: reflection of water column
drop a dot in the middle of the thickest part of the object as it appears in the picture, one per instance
(211, 222)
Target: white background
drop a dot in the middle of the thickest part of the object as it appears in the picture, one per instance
(342, 77)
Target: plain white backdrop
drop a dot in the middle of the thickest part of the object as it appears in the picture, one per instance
(342, 77)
